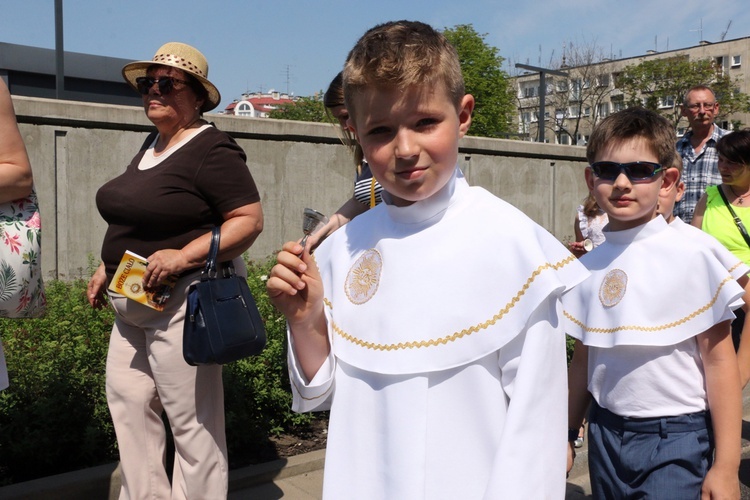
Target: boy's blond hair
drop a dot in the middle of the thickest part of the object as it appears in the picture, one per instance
(635, 123)
(401, 54)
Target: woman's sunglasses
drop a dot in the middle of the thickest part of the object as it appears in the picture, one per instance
(165, 83)
(634, 170)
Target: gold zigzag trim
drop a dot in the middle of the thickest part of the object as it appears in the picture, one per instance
(666, 326)
(457, 335)
(299, 393)
(735, 267)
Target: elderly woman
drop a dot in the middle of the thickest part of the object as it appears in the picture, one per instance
(714, 215)
(187, 177)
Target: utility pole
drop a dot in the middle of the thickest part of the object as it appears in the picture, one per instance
(59, 51)
(542, 91)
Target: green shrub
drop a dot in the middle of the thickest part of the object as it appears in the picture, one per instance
(54, 416)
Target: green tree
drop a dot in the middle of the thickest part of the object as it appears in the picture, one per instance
(661, 85)
(304, 109)
(485, 80)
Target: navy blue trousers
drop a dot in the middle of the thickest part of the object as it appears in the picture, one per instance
(648, 458)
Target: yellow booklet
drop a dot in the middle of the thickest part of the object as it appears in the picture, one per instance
(128, 281)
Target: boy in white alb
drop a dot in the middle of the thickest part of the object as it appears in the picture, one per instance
(430, 324)
(653, 352)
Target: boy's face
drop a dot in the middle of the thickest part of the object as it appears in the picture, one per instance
(629, 204)
(410, 138)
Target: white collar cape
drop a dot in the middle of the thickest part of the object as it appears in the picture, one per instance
(650, 285)
(439, 283)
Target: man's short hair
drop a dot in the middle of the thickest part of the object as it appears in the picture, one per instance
(696, 88)
(401, 54)
(735, 147)
(634, 123)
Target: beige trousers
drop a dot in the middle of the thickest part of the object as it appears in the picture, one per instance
(146, 375)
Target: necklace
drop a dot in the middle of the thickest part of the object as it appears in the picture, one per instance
(740, 199)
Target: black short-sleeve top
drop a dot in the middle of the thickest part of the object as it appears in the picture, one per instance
(176, 201)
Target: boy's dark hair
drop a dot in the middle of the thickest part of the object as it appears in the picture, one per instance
(333, 98)
(735, 147)
(634, 123)
(400, 54)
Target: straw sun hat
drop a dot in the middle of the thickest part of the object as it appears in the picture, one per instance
(180, 56)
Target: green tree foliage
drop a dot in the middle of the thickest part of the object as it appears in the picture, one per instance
(304, 109)
(485, 80)
(657, 83)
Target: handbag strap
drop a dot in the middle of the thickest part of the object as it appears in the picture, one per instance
(210, 271)
(737, 220)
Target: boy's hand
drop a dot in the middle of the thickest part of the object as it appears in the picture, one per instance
(294, 286)
(720, 484)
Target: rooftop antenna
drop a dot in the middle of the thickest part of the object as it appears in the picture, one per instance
(724, 33)
(700, 30)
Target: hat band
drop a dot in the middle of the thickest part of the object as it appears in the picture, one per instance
(177, 61)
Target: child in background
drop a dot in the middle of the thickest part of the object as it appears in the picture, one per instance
(442, 364)
(736, 267)
(588, 226)
(653, 352)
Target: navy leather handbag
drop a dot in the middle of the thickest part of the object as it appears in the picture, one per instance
(222, 322)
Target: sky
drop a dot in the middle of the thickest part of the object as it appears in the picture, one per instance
(299, 46)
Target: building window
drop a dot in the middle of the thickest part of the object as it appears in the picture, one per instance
(587, 111)
(736, 61)
(602, 80)
(666, 102)
(618, 105)
(562, 85)
(564, 139)
(602, 109)
(574, 111)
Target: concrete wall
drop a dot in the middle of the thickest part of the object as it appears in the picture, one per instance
(76, 147)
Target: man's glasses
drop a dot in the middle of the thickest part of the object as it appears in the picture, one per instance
(165, 83)
(634, 170)
(706, 105)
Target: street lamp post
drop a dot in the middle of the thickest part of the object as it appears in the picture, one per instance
(542, 90)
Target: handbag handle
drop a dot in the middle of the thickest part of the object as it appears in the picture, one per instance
(737, 220)
(210, 270)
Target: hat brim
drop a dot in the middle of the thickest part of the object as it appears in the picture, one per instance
(137, 69)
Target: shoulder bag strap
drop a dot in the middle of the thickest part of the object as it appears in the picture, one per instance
(737, 220)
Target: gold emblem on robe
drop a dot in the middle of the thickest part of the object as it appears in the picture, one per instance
(364, 277)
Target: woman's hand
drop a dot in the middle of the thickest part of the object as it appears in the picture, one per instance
(97, 288)
(162, 264)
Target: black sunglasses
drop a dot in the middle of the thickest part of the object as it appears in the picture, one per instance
(634, 170)
(165, 83)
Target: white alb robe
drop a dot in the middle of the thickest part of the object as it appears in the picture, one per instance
(447, 376)
(652, 290)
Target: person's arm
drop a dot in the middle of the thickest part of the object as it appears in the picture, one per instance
(725, 403)
(239, 230)
(700, 209)
(97, 288)
(295, 288)
(579, 396)
(349, 210)
(15, 170)
(743, 353)
(577, 246)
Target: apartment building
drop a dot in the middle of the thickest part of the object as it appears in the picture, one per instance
(574, 104)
